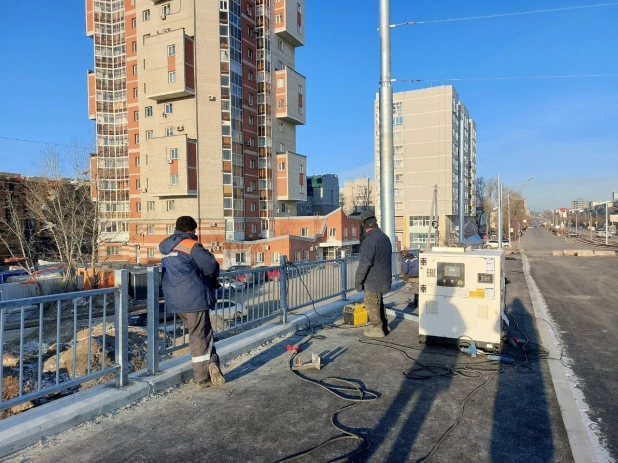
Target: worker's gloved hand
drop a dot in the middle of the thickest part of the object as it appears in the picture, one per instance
(359, 287)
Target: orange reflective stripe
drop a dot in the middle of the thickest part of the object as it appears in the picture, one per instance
(186, 245)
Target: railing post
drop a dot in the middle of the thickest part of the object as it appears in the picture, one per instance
(152, 320)
(121, 281)
(344, 279)
(283, 289)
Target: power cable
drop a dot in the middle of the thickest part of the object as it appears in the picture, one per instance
(44, 142)
(461, 79)
(501, 15)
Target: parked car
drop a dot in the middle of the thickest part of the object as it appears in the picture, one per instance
(247, 278)
(271, 274)
(493, 244)
(573, 234)
(603, 234)
(233, 284)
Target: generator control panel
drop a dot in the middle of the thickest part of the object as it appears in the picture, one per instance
(452, 275)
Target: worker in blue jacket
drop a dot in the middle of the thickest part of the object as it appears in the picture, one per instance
(409, 267)
(190, 275)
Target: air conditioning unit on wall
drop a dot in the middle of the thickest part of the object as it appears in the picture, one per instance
(265, 248)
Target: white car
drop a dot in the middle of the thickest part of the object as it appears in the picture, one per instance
(603, 234)
(493, 244)
(229, 310)
(231, 284)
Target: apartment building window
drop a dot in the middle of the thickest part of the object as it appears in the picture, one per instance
(149, 134)
(251, 120)
(138, 207)
(280, 103)
(138, 184)
(251, 98)
(304, 232)
(170, 229)
(279, 19)
(223, 4)
(253, 207)
(170, 205)
(174, 179)
(253, 228)
(249, 53)
(240, 257)
(249, 31)
(169, 131)
(135, 69)
(135, 92)
(398, 150)
(345, 232)
(398, 108)
(148, 111)
(169, 108)
(419, 221)
(280, 44)
(398, 163)
(281, 166)
(227, 179)
(399, 206)
(353, 232)
(397, 121)
(275, 258)
(151, 253)
(251, 142)
(250, 76)
(280, 83)
(150, 206)
(398, 191)
(259, 257)
(249, 10)
(302, 169)
(151, 230)
(167, 9)
(112, 250)
(134, 23)
(171, 77)
(171, 50)
(332, 232)
(296, 256)
(146, 15)
(136, 115)
(305, 255)
(283, 207)
(137, 161)
(300, 89)
(134, 46)
(398, 178)
(279, 65)
(281, 148)
(252, 166)
(174, 153)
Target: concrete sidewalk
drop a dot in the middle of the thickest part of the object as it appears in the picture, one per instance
(265, 413)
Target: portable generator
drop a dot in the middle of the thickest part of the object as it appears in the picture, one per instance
(355, 314)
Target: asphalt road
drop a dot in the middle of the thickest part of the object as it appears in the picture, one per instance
(581, 295)
(540, 241)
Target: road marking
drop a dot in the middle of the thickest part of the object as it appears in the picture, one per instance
(583, 433)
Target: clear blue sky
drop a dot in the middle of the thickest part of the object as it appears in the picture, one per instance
(563, 132)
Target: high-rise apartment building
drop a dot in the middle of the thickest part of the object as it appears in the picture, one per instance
(426, 139)
(359, 195)
(579, 203)
(196, 106)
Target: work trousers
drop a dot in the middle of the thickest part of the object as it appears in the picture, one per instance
(374, 303)
(201, 342)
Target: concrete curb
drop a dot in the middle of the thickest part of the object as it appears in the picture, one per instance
(20, 431)
(580, 439)
(400, 314)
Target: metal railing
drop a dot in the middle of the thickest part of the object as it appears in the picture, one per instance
(33, 370)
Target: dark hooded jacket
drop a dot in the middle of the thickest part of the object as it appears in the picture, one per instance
(374, 271)
(190, 274)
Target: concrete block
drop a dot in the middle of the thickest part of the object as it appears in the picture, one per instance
(605, 253)
(558, 253)
(585, 253)
(570, 252)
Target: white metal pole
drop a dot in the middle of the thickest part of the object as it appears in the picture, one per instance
(508, 202)
(606, 224)
(499, 213)
(387, 172)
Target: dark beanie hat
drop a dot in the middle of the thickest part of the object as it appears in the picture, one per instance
(186, 223)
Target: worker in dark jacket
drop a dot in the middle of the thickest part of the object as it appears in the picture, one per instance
(189, 279)
(374, 273)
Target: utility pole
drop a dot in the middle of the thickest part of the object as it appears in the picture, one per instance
(461, 174)
(433, 224)
(387, 172)
(606, 224)
(508, 203)
(499, 213)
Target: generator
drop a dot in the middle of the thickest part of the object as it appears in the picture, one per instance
(355, 314)
(461, 297)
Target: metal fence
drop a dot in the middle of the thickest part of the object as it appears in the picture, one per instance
(33, 370)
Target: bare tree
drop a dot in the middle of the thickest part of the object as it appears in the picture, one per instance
(361, 197)
(342, 200)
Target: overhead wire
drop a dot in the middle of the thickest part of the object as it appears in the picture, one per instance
(24, 140)
(548, 77)
(502, 15)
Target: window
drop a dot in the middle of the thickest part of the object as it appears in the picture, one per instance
(281, 166)
(398, 178)
(281, 148)
(398, 191)
(169, 131)
(171, 50)
(302, 169)
(138, 207)
(174, 179)
(249, 31)
(169, 108)
(299, 28)
(304, 232)
(227, 179)
(332, 232)
(251, 97)
(249, 53)
(171, 77)
(151, 229)
(148, 111)
(138, 184)
(112, 251)
(136, 115)
(253, 228)
(134, 46)
(151, 252)
(397, 121)
(280, 44)
(398, 163)
(137, 161)
(279, 65)
(353, 232)
(135, 92)
(282, 207)
(300, 89)
(146, 15)
(259, 257)
(173, 153)
(249, 10)
(280, 83)
(135, 69)
(134, 23)
(398, 150)
(149, 134)
(170, 229)
(251, 120)
(281, 127)
(250, 76)
(151, 206)
(399, 206)
(299, 8)
(240, 257)
(280, 103)
(252, 166)
(171, 205)
(345, 232)
(296, 256)
(305, 255)
(398, 108)
(253, 207)
(167, 9)
(279, 19)
(275, 258)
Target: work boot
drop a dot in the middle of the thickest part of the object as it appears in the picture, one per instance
(215, 375)
(375, 331)
(200, 385)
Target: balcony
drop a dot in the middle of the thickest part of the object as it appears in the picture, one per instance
(168, 77)
(290, 177)
(290, 21)
(290, 96)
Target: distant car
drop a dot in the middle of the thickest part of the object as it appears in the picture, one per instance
(573, 234)
(230, 283)
(603, 234)
(248, 278)
(272, 274)
(493, 244)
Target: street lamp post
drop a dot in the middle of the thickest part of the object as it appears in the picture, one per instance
(606, 225)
